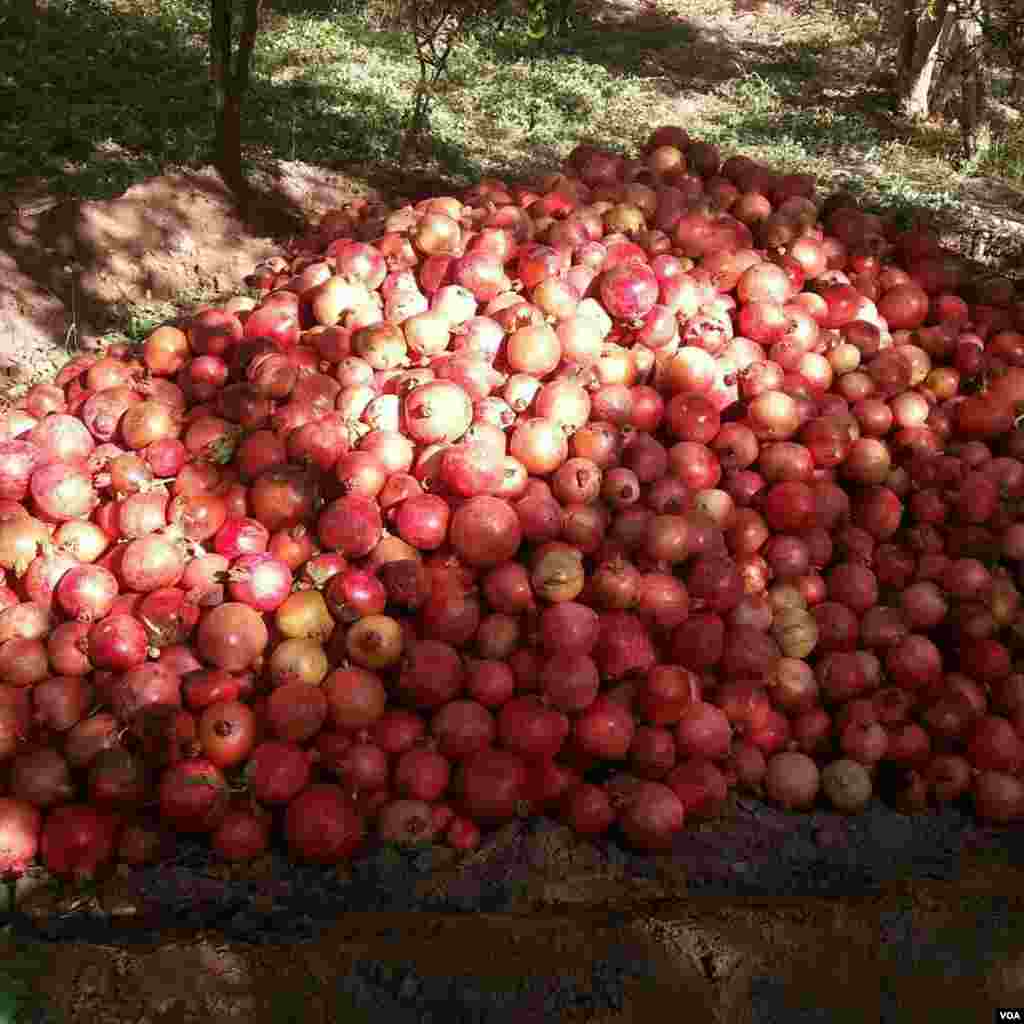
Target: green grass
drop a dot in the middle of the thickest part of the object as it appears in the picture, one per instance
(90, 102)
(1006, 156)
(626, 49)
(135, 321)
(128, 94)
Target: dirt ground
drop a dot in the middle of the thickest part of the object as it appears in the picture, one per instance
(920, 952)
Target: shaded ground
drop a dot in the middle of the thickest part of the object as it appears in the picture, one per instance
(914, 951)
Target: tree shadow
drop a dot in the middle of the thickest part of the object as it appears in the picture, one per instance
(805, 90)
(638, 38)
(128, 95)
(620, 39)
(72, 248)
(635, 39)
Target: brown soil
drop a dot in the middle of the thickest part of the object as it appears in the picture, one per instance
(203, 978)
(825, 956)
(762, 958)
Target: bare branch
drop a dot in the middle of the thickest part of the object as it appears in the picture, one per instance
(435, 27)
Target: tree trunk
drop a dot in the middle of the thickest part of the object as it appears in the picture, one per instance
(947, 80)
(973, 78)
(230, 82)
(220, 75)
(229, 142)
(927, 29)
(902, 25)
(1015, 49)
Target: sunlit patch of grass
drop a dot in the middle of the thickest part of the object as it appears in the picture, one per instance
(135, 321)
(753, 94)
(624, 46)
(1005, 157)
(934, 139)
(139, 320)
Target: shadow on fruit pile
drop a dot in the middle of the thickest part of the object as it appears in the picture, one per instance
(756, 850)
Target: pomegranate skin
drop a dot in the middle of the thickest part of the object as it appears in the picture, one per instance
(321, 825)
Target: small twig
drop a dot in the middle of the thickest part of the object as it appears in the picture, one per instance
(71, 336)
(747, 807)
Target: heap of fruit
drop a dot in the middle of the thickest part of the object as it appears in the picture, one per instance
(594, 497)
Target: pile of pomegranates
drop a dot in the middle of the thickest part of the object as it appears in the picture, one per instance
(595, 497)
